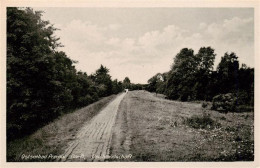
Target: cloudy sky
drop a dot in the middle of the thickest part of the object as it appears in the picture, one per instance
(139, 42)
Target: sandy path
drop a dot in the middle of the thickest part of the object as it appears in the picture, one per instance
(93, 140)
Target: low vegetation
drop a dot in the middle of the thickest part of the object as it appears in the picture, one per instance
(232, 102)
(202, 122)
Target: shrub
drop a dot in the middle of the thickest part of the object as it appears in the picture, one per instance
(86, 100)
(237, 102)
(202, 122)
(224, 102)
(204, 105)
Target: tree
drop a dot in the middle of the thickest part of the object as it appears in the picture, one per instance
(181, 76)
(193, 78)
(246, 83)
(204, 61)
(103, 80)
(157, 83)
(228, 73)
(42, 83)
(117, 86)
(32, 88)
(126, 83)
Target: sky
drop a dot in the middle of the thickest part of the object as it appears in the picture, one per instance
(140, 42)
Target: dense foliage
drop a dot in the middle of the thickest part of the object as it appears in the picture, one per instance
(192, 77)
(232, 102)
(42, 82)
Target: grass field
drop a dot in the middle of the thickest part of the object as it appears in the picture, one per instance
(53, 138)
(151, 128)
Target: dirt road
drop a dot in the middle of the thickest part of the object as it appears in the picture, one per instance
(93, 141)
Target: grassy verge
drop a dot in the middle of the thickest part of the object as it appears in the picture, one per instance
(164, 130)
(51, 140)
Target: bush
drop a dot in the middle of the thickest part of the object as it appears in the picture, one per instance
(202, 122)
(204, 105)
(237, 102)
(84, 101)
(224, 102)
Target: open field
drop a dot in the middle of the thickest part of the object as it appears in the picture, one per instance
(151, 128)
(53, 138)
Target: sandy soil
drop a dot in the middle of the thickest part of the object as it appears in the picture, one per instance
(92, 143)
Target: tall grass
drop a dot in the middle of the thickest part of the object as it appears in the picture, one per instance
(202, 122)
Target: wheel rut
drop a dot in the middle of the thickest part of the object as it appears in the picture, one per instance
(93, 141)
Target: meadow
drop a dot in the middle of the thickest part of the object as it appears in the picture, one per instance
(152, 128)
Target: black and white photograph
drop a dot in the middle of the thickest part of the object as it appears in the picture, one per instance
(129, 84)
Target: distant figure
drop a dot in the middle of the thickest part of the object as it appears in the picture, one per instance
(126, 90)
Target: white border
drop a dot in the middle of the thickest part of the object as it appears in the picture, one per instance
(135, 4)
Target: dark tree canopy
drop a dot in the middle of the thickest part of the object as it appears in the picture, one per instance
(103, 80)
(192, 77)
(126, 83)
(157, 83)
(205, 62)
(42, 82)
(181, 75)
(228, 72)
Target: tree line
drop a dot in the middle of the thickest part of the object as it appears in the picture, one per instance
(42, 82)
(192, 77)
